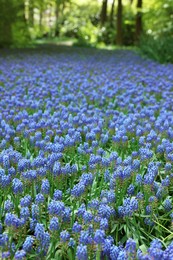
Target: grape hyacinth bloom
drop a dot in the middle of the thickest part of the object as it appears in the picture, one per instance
(54, 224)
(45, 187)
(28, 244)
(81, 252)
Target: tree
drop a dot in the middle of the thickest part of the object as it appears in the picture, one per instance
(119, 38)
(31, 13)
(112, 13)
(103, 15)
(7, 18)
(138, 20)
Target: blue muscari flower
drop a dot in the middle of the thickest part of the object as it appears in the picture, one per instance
(29, 175)
(105, 162)
(39, 198)
(114, 251)
(168, 253)
(166, 182)
(57, 195)
(6, 255)
(155, 250)
(134, 154)
(127, 161)
(94, 144)
(87, 178)
(99, 236)
(148, 209)
(5, 180)
(8, 205)
(54, 224)
(104, 211)
(160, 192)
(168, 167)
(126, 173)
(149, 178)
(66, 214)
(74, 168)
(140, 196)
(32, 224)
(133, 204)
(28, 244)
(100, 152)
(11, 171)
(35, 211)
(145, 154)
(66, 169)
(39, 231)
(26, 201)
(152, 199)
(20, 254)
(42, 171)
(111, 196)
(139, 179)
(121, 211)
(2, 172)
(12, 220)
(81, 210)
(4, 239)
(87, 217)
(168, 205)
(38, 162)
(71, 243)
(107, 176)
(45, 186)
(85, 237)
(56, 208)
(76, 227)
(160, 149)
(81, 252)
(122, 255)
(23, 165)
(17, 186)
(64, 236)
(135, 165)
(131, 189)
(6, 162)
(78, 189)
(24, 213)
(107, 244)
(130, 247)
(44, 243)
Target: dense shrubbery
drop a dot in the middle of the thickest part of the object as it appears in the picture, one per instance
(160, 49)
(86, 152)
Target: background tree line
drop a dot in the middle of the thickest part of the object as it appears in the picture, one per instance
(121, 22)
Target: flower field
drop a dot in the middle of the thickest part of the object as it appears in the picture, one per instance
(86, 156)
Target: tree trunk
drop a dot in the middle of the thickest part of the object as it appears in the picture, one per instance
(7, 16)
(56, 17)
(138, 21)
(119, 39)
(103, 15)
(40, 19)
(112, 13)
(31, 13)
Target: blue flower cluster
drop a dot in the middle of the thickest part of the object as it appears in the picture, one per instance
(86, 156)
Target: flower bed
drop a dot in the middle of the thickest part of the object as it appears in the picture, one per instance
(86, 152)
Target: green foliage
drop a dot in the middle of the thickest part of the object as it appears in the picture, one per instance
(80, 23)
(160, 49)
(158, 18)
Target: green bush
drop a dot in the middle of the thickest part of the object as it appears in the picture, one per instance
(159, 49)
